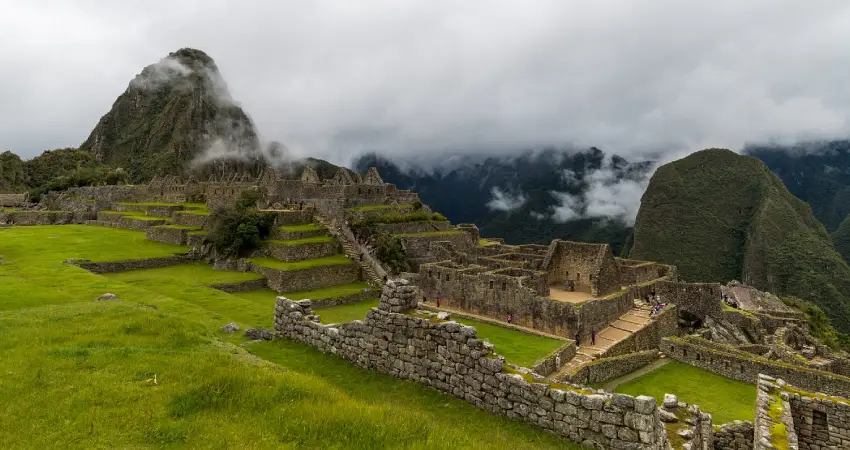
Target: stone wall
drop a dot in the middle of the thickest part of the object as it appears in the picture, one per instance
(10, 200)
(737, 435)
(604, 369)
(345, 300)
(190, 219)
(168, 235)
(413, 227)
(553, 362)
(773, 426)
(300, 252)
(22, 218)
(590, 266)
(311, 278)
(636, 272)
(241, 286)
(420, 246)
(820, 422)
(699, 299)
(450, 358)
(745, 367)
(663, 324)
(132, 264)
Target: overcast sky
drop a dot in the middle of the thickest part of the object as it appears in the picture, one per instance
(335, 78)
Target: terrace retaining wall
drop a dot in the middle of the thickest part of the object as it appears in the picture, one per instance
(132, 264)
(241, 286)
(174, 236)
(190, 220)
(310, 278)
(301, 251)
(663, 324)
(604, 369)
(450, 358)
(738, 367)
(737, 435)
(553, 362)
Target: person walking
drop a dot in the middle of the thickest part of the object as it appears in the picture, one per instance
(438, 302)
(509, 317)
(578, 338)
(593, 337)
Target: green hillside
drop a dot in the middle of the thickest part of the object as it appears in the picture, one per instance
(721, 216)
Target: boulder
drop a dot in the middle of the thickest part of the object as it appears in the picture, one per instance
(230, 328)
(258, 334)
(670, 401)
(107, 296)
(442, 315)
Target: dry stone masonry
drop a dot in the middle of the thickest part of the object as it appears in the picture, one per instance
(449, 357)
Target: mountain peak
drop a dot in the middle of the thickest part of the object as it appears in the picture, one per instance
(175, 114)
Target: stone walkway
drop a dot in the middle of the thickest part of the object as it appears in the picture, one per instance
(630, 322)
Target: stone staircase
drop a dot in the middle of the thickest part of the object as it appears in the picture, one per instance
(371, 268)
(630, 322)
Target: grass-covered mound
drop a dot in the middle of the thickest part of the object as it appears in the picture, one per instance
(719, 216)
(80, 374)
(724, 398)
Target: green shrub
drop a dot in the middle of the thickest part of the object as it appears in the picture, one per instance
(86, 176)
(238, 230)
(416, 205)
(819, 324)
(390, 251)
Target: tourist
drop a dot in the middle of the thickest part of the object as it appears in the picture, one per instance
(509, 317)
(558, 361)
(592, 337)
(578, 338)
(424, 299)
(301, 205)
(438, 302)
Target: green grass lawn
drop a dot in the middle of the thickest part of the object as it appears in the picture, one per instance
(346, 313)
(724, 398)
(304, 264)
(520, 348)
(79, 374)
(309, 240)
(304, 227)
(193, 274)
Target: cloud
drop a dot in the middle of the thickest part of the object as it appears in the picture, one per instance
(334, 79)
(167, 71)
(605, 193)
(505, 201)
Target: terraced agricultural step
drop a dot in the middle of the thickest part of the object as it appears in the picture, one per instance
(301, 249)
(306, 274)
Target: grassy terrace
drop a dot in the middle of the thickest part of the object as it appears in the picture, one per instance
(341, 290)
(520, 348)
(304, 227)
(272, 263)
(79, 374)
(724, 398)
(309, 240)
(346, 313)
(430, 233)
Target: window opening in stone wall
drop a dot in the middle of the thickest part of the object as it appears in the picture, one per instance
(820, 422)
(430, 274)
(697, 356)
(742, 368)
(504, 286)
(578, 276)
(448, 277)
(491, 284)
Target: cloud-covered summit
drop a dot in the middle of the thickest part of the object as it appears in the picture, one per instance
(335, 79)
